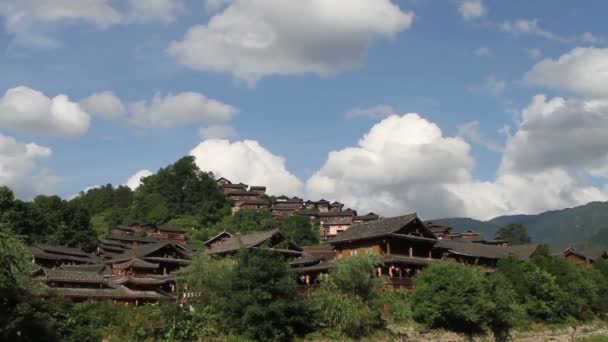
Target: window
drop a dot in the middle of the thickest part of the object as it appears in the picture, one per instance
(354, 252)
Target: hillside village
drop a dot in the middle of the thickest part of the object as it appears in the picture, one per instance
(139, 263)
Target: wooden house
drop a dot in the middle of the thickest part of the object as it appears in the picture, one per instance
(168, 255)
(442, 231)
(222, 181)
(216, 240)
(133, 241)
(403, 242)
(54, 256)
(482, 255)
(270, 240)
(255, 204)
(168, 233)
(323, 206)
(336, 206)
(242, 195)
(365, 218)
(260, 190)
(574, 255)
(230, 188)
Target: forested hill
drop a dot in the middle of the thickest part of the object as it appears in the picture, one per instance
(584, 226)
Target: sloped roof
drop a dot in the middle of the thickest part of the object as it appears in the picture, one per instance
(244, 241)
(523, 252)
(337, 213)
(170, 229)
(61, 250)
(137, 263)
(73, 276)
(402, 259)
(132, 238)
(242, 193)
(377, 228)
(146, 250)
(308, 212)
(95, 268)
(218, 236)
(368, 216)
(121, 292)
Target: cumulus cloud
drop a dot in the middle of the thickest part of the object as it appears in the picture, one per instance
(400, 165)
(472, 9)
(104, 104)
(172, 110)
(162, 111)
(378, 111)
(405, 163)
(217, 132)
(29, 21)
(135, 180)
(248, 162)
(27, 110)
(252, 39)
(19, 168)
(583, 70)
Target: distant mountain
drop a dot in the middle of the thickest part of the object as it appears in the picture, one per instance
(579, 226)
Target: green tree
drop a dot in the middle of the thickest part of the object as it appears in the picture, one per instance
(349, 302)
(299, 230)
(515, 234)
(451, 296)
(505, 313)
(261, 301)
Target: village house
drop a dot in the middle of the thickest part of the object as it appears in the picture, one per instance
(365, 218)
(482, 255)
(270, 240)
(54, 256)
(167, 233)
(216, 240)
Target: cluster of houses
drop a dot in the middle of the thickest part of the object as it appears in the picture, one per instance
(331, 218)
(140, 263)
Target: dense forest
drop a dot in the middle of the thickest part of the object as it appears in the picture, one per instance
(253, 296)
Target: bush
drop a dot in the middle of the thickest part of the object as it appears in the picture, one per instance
(451, 296)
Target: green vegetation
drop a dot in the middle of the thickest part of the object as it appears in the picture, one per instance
(515, 234)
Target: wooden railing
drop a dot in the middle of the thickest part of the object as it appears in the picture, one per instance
(408, 283)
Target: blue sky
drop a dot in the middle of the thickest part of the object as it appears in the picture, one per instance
(454, 69)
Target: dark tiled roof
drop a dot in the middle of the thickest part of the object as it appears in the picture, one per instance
(244, 241)
(366, 217)
(168, 260)
(124, 227)
(218, 236)
(237, 186)
(279, 207)
(523, 252)
(322, 266)
(145, 251)
(337, 204)
(113, 243)
(322, 201)
(137, 263)
(253, 201)
(95, 268)
(131, 238)
(73, 276)
(325, 252)
(113, 293)
(377, 228)
(171, 229)
(308, 212)
(256, 187)
(242, 193)
(61, 250)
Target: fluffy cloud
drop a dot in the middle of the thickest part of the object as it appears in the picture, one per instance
(27, 110)
(162, 111)
(19, 169)
(252, 39)
(135, 181)
(401, 165)
(582, 70)
(248, 162)
(104, 104)
(405, 163)
(472, 9)
(27, 19)
(172, 110)
(217, 132)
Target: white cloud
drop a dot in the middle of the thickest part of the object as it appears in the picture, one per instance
(19, 169)
(30, 21)
(154, 10)
(471, 131)
(378, 111)
(582, 70)
(248, 162)
(104, 104)
(535, 53)
(483, 52)
(400, 165)
(589, 37)
(529, 27)
(405, 163)
(135, 180)
(27, 110)
(472, 9)
(217, 132)
(252, 39)
(27, 19)
(173, 110)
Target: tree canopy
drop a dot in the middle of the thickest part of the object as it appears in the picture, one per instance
(515, 234)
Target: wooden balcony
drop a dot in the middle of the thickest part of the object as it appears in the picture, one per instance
(407, 283)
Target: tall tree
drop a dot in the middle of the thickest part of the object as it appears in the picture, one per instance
(515, 234)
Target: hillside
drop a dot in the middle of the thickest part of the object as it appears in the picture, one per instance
(579, 225)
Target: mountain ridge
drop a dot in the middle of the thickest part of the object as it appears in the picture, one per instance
(579, 226)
